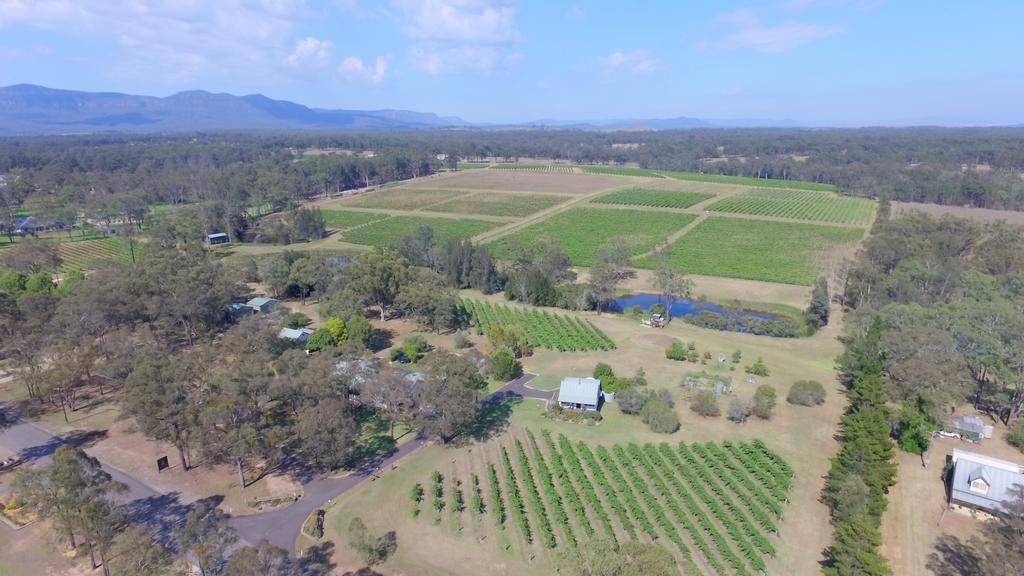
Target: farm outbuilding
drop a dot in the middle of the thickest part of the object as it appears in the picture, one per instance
(982, 482)
(580, 393)
(262, 304)
(295, 335)
(970, 427)
(218, 238)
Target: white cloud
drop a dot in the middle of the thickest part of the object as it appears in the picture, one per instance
(310, 52)
(175, 40)
(353, 70)
(459, 35)
(748, 31)
(635, 62)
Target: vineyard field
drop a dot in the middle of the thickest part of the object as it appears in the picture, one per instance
(714, 505)
(542, 168)
(798, 205)
(746, 181)
(622, 171)
(390, 230)
(345, 219)
(400, 198)
(499, 204)
(654, 198)
(581, 232)
(784, 252)
(562, 332)
(88, 254)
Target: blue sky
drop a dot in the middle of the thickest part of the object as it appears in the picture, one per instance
(827, 62)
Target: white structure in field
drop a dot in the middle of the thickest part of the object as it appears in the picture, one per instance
(580, 393)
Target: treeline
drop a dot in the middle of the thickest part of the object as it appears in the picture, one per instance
(935, 313)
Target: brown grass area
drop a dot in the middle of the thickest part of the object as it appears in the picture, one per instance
(917, 514)
(518, 180)
(978, 214)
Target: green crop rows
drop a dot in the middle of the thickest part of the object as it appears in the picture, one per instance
(714, 503)
(798, 205)
(621, 171)
(654, 198)
(80, 255)
(499, 204)
(390, 230)
(545, 168)
(745, 181)
(582, 232)
(543, 329)
(345, 219)
(785, 252)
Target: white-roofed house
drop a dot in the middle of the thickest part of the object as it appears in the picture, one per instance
(982, 482)
(296, 335)
(580, 393)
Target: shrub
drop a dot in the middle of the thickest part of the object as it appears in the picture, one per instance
(676, 351)
(758, 368)
(659, 415)
(692, 356)
(604, 372)
(506, 367)
(359, 330)
(631, 401)
(462, 341)
(640, 378)
(806, 393)
(691, 345)
(414, 346)
(705, 403)
(590, 418)
(337, 329)
(737, 356)
(1015, 436)
(319, 340)
(297, 320)
(635, 312)
(739, 410)
(764, 402)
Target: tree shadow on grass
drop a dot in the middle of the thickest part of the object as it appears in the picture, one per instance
(954, 557)
(492, 420)
(382, 338)
(317, 559)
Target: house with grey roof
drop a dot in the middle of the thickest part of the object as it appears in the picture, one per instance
(295, 335)
(580, 393)
(982, 482)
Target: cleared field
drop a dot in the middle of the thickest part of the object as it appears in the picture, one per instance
(581, 232)
(523, 181)
(939, 210)
(545, 168)
(713, 505)
(88, 254)
(344, 219)
(561, 332)
(784, 252)
(798, 205)
(653, 198)
(399, 198)
(498, 204)
(390, 230)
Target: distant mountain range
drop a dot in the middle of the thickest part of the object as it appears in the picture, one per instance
(29, 109)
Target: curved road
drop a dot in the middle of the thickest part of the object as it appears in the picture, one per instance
(280, 527)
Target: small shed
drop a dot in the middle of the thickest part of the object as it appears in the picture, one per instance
(982, 482)
(237, 311)
(579, 393)
(970, 427)
(262, 304)
(218, 238)
(295, 335)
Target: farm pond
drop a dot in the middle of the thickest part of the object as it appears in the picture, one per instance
(684, 308)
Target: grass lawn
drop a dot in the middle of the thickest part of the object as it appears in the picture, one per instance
(654, 198)
(345, 219)
(799, 205)
(583, 231)
(391, 230)
(499, 204)
(783, 252)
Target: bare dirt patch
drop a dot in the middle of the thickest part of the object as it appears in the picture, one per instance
(977, 214)
(518, 180)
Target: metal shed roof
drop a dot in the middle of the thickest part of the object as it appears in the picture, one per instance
(1000, 475)
(576, 390)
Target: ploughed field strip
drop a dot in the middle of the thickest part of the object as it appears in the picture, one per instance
(499, 204)
(401, 198)
(345, 219)
(582, 231)
(392, 229)
(543, 329)
(653, 198)
(717, 506)
(798, 205)
(772, 251)
(79, 255)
